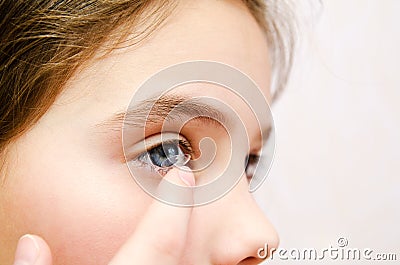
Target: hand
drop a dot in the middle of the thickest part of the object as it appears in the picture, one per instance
(160, 235)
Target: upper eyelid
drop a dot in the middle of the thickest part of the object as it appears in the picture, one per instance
(147, 144)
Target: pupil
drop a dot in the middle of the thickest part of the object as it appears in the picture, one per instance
(158, 156)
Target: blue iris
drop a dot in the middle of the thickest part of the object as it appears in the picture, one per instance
(161, 155)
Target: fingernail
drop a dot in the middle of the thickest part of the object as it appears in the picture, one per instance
(27, 251)
(187, 176)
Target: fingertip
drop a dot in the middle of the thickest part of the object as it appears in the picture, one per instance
(27, 250)
(187, 176)
(32, 250)
(45, 257)
(163, 229)
(182, 176)
(176, 188)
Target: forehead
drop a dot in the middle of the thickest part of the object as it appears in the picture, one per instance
(222, 31)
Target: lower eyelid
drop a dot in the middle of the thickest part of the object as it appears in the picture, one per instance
(161, 171)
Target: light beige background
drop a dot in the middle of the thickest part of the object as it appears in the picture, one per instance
(337, 166)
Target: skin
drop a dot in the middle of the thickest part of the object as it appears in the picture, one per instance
(65, 180)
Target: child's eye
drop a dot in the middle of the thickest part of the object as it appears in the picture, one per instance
(161, 157)
(251, 165)
(166, 155)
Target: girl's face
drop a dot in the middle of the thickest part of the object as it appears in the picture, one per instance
(65, 178)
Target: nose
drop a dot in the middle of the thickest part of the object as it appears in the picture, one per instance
(237, 229)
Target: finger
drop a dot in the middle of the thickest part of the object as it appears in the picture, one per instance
(161, 234)
(32, 250)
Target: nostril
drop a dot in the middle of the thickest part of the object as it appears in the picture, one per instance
(250, 261)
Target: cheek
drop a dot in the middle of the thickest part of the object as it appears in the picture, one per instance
(84, 209)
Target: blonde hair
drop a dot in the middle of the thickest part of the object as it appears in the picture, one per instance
(43, 42)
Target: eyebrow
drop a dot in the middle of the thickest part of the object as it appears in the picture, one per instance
(156, 110)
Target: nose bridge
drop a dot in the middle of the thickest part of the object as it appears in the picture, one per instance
(245, 228)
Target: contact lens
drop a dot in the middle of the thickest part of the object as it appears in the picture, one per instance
(176, 161)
